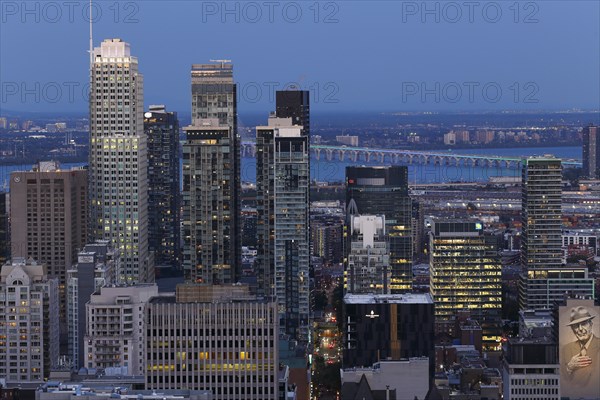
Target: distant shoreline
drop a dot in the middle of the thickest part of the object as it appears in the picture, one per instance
(26, 161)
(490, 147)
(73, 160)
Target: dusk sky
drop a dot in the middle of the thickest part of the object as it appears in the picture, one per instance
(352, 55)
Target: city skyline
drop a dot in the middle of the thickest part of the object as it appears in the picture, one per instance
(361, 254)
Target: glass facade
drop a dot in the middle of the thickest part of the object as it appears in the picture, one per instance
(466, 275)
(162, 130)
(387, 327)
(294, 104)
(542, 214)
(4, 231)
(214, 96)
(282, 183)
(384, 190)
(208, 206)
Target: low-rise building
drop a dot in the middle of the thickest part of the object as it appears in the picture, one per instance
(402, 379)
(536, 323)
(94, 391)
(465, 375)
(531, 369)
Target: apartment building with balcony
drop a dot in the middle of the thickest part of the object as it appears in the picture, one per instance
(115, 326)
(29, 333)
(96, 267)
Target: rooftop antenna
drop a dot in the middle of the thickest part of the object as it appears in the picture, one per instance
(223, 62)
(91, 40)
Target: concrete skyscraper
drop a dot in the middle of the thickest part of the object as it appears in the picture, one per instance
(544, 279)
(162, 132)
(368, 263)
(212, 337)
(214, 97)
(4, 228)
(118, 185)
(591, 152)
(282, 187)
(384, 191)
(28, 322)
(49, 219)
(541, 213)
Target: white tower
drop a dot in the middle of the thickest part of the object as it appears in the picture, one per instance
(118, 180)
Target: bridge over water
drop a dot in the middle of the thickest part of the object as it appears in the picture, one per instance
(410, 157)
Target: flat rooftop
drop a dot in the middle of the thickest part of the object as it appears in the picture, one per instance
(531, 340)
(170, 298)
(117, 391)
(406, 298)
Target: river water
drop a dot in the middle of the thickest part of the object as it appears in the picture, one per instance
(333, 171)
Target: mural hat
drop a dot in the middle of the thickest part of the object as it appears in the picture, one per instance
(580, 314)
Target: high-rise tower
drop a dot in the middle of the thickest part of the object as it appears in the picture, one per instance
(4, 228)
(162, 131)
(282, 189)
(465, 275)
(95, 268)
(214, 96)
(384, 191)
(49, 209)
(591, 152)
(541, 214)
(118, 178)
(294, 104)
(209, 254)
(544, 279)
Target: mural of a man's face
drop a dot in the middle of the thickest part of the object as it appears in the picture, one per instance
(583, 330)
